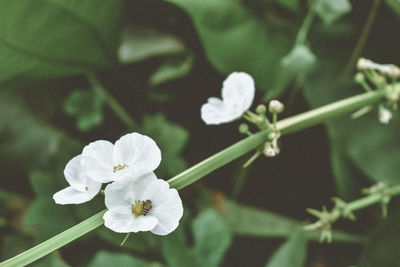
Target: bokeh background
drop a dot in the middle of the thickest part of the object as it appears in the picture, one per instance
(161, 60)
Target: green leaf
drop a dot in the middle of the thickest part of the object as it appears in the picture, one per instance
(249, 221)
(394, 5)
(234, 39)
(140, 43)
(170, 69)
(211, 240)
(292, 253)
(86, 106)
(52, 260)
(330, 11)
(297, 64)
(42, 39)
(171, 138)
(106, 259)
(343, 172)
(293, 5)
(29, 143)
(383, 248)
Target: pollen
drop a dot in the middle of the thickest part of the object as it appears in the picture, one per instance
(119, 167)
(86, 188)
(137, 208)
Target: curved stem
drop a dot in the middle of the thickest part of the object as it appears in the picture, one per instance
(306, 25)
(362, 40)
(119, 111)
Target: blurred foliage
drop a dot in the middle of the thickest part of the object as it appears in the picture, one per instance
(211, 240)
(86, 106)
(292, 253)
(162, 59)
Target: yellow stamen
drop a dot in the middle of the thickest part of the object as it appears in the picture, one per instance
(119, 167)
(137, 208)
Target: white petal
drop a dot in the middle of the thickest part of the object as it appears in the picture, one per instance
(238, 89)
(166, 206)
(139, 152)
(97, 161)
(125, 223)
(77, 178)
(71, 196)
(74, 175)
(215, 112)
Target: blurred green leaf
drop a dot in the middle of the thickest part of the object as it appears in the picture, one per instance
(170, 69)
(107, 259)
(211, 240)
(293, 5)
(53, 38)
(297, 64)
(394, 5)
(292, 253)
(86, 106)
(171, 138)
(44, 216)
(234, 39)
(383, 248)
(329, 11)
(211, 237)
(29, 143)
(343, 173)
(52, 260)
(140, 43)
(249, 221)
(11, 245)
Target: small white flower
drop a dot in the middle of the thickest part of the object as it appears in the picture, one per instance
(142, 204)
(81, 188)
(132, 155)
(384, 115)
(237, 96)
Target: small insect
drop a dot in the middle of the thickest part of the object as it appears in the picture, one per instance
(146, 207)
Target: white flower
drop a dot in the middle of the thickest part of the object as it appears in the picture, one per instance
(132, 155)
(81, 188)
(237, 96)
(128, 198)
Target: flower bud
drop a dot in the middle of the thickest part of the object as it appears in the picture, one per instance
(276, 107)
(363, 63)
(243, 128)
(359, 78)
(261, 109)
(384, 115)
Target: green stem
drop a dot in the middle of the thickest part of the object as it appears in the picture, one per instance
(372, 199)
(119, 111)
(191, 175)
(306, 25)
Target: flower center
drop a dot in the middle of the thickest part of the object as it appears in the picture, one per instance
(140, 208)
(86, 188)
(119, 167)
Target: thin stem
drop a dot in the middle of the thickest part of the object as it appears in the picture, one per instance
(191, 175)
(306, 25)
(362, 40)
(119, 111)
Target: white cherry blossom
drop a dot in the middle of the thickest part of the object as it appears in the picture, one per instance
(81, 188)
(132, 155)
(237, 96)
(127, 211)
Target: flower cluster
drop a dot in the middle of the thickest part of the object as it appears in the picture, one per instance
(135, 198)
(237, 96)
